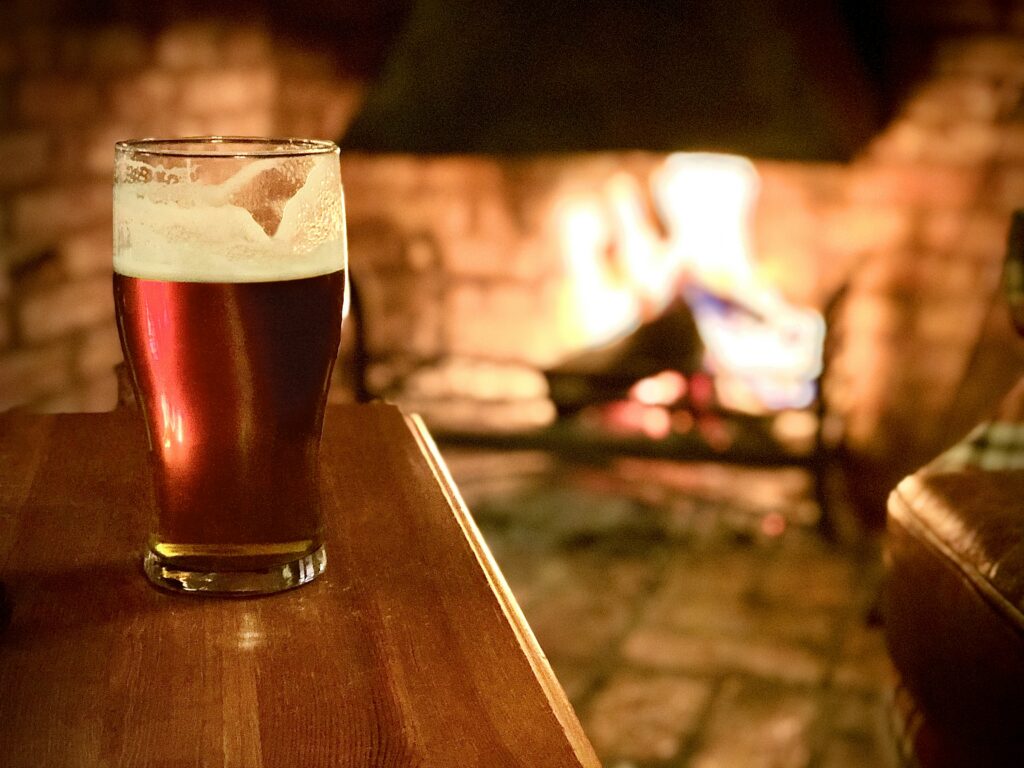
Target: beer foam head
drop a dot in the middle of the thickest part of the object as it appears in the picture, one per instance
(239, 210)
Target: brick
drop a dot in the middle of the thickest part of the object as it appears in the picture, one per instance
(500, 320)
(378, 244)
(963, 144)
(799, 182)
(958, 279)
(298, 60)
(98, 352)
(188, 125)
(859, 229)
(46, 214)
(95, 153)
(65, 309)
(189, 46)
(939, 230)
(1012, 148)
(28, 374)
(534, 259)
(475, 257)
(482, 175)
(478, 380)
(913, 184)
(1007, 187)
(87, 253)
(246, 46)
(984, 235)
(960, 98)
(56, 100)
(667, 649)
(93, 396)
(401, 314)
(117, 48)
(251, 122)
(37, 49)
(140, 96)
(935, 325)
(73, 50)
(902, 140)
(645, 717)
(957, 143)
(86, 153)
(368, 176)
(339, 109)
(981, 55)
(873, 317)
(226, 91)
(24, 158)
(752, 724)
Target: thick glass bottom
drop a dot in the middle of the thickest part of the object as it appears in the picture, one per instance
(242, 577)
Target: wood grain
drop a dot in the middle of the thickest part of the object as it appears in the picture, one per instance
(408, 651)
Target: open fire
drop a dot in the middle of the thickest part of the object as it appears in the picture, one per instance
(632, 252)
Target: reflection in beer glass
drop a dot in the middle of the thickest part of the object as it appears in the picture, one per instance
(230, 288)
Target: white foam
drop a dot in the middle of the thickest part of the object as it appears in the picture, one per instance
(197, 233)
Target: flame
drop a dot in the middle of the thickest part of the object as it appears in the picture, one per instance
(765, 353)
(598, 305)
(665, 388)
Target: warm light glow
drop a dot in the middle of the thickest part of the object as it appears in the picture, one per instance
(664, 388)
(646, 261)
(656, 423)
(705, 200)
(598, 305)
(629, 417)
(765, 353)
(773, 524)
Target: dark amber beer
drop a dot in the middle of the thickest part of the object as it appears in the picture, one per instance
(231, 359)
(233, 380)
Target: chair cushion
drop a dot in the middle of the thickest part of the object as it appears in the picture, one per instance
(953, 608)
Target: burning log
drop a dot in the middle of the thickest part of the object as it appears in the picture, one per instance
(668, 342)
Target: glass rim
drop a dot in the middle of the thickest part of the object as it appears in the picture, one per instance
(238, 147)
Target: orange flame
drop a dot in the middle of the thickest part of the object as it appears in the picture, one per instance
(622, 270)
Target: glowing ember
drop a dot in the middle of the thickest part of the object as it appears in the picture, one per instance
(627, 417)
(773, 524)
(665, 388)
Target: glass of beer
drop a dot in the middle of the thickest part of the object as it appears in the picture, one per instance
(230, 289)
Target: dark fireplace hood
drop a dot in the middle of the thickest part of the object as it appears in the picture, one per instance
(764, 78)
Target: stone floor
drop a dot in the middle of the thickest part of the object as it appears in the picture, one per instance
(693, 613)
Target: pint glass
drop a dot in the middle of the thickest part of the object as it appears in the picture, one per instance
(230, 290)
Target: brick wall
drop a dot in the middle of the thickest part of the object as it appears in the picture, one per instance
(66, 95)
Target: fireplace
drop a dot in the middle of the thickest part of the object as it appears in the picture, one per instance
(464, 275)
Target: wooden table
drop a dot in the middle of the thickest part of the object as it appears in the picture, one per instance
(409, 651)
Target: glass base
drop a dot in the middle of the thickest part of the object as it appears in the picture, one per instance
(165, 573)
